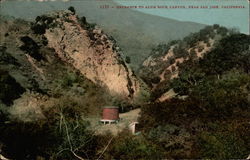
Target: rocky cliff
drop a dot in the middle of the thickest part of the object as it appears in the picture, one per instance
(61, 59)
(91, 52)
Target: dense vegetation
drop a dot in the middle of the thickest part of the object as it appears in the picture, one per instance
(213, 121)
(191, 48)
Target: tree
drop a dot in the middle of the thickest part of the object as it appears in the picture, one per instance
(72, 9)
(127, 60)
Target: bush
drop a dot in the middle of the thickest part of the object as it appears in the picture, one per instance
(221, 145)
(31, 47)
(72, 9)
(126, 146)
(83, 21)
(62, 135)
(175, 141)
(9, 88)
(127, 59)
(39, 28)
(42, 23)
(180, 52)
(69, 79)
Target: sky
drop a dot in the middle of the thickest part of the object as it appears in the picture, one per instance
(229, 17)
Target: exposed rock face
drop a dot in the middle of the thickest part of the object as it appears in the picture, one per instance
(60, 57)
(92, 53)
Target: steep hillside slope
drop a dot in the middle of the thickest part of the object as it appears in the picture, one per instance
(212, 121)
(60, 60)
(165, 60)
(91, 52)
(135, 32)
(33, 77)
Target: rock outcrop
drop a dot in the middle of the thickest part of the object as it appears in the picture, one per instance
(90, 51)
(60, 58)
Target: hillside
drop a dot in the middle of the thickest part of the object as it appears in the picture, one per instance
(165, 60)
(57, 67)
(60, 55)
(135, 32)
(212, 121)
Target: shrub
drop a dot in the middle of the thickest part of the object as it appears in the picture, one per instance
(39, 28)
(42, 23)
(180, 52)
(155, 80)
(175, 141)
(126, 146)
(31, 47)
(9, 88)
(127, 59)
(72, 9)
(69, 79)
(221, 145)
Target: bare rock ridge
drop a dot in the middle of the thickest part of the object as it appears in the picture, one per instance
(90, 51)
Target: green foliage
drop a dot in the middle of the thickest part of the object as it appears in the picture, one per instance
(42, 23)
(127, 59)
(39, 28)
(124, 105)
(228, 54)
(69, 79)
(155, 80)
(31, 47)
(180, 51)
(215, 113)
(3, 113)
(6, 58)
(87, 26)
(142, 97)
(225, 96)
(160, 49)
(75, 137)
(161, 88)
(126, 146)
(174, 111)
(72, 9)
(222, 31)
(222, 145)
(58, 136)
(175, 141)
(188, 79)
(82, 21)
(220, 97)
(9, 88)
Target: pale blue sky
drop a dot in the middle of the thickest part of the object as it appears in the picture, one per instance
(238, 18)
(232, 18)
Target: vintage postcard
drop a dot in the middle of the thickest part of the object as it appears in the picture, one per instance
(124, 79)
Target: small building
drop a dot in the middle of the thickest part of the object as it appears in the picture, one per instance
(110, 114)
(133, 127)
